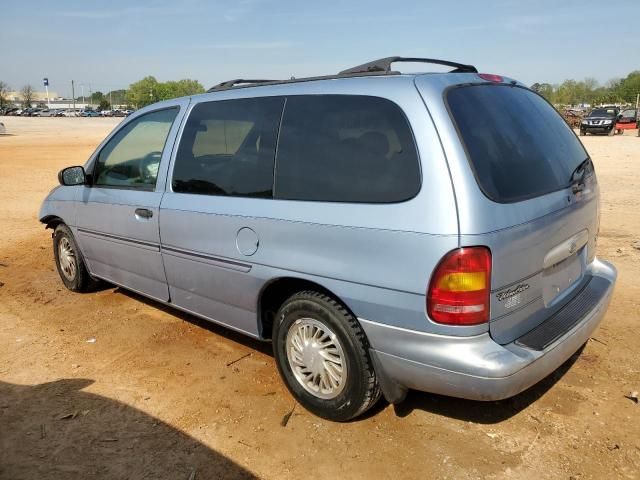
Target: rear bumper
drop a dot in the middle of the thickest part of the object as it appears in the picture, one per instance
(475, 367)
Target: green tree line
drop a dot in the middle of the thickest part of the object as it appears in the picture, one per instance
(574, 92)
(144, 92)
(149, 90)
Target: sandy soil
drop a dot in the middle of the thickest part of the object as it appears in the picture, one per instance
(155, 397)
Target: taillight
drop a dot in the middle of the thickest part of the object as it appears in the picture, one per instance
(459, 289)
(490, 77)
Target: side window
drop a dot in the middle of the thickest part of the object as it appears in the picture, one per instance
(228, 148)
(345, 148)
(132, 157)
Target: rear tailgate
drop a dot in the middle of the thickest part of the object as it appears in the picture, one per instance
(514, 170)
(538, 267)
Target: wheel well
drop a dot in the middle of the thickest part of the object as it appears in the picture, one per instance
(274, 295)
(51, 221)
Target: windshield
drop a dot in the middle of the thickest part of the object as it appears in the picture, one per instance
(518, 145)
(602, 112)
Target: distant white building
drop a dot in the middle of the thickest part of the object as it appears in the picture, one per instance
(37, 97)
(40, 98)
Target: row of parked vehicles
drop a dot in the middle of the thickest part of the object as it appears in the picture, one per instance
(63, 112)
(608, 120)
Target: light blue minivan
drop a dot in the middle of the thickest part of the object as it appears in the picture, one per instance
(385, 231)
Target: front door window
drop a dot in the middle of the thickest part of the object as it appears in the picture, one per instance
(132, 156)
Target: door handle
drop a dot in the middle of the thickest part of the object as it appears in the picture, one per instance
(144, 213)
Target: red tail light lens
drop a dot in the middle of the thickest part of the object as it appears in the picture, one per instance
(490, 77)
(459, 289)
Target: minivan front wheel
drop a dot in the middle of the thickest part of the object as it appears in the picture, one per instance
(69, 262)
(322, 354)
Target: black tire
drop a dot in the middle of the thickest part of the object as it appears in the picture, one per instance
(582, 133)
(360, 390)
(79, 280)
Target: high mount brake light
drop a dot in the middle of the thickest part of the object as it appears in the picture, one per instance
(490, 77)
(459, 289)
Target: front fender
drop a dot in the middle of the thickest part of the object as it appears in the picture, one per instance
(59, 203)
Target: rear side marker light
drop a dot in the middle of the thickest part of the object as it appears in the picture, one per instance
(490, 77)
(459, 289)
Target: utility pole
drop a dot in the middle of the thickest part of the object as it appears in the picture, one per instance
(46, 87)
(73, 95)
(638, 113)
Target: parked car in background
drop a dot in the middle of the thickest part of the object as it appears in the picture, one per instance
(600, 121)
(628, 116)
(414, 235)
(8, 111)
(89, 113)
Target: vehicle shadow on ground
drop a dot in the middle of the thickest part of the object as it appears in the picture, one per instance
(249, 342)
(482, 412)
(461, 409)
(56, 430)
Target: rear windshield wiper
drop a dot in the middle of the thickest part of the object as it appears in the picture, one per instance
(576, 182)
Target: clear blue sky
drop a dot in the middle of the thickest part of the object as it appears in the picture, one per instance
(111, 44)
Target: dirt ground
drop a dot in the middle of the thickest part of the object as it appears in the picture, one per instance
(110, 385)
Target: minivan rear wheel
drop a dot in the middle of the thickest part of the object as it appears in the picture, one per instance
(322, 355)
(69, 261)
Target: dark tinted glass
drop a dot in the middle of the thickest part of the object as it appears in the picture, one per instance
(228, 148)
(343, 148)
(518, 145)
(603, 113)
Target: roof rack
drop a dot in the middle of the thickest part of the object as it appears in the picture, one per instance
(384, 65)
(376, 67)
(254, 83)
(237, 81)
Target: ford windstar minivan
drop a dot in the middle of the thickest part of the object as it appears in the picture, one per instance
(384, 231)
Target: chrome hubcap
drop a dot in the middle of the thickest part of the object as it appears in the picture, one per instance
(67, 258)
(316, 358)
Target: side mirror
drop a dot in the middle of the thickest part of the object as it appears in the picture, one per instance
(71, 176)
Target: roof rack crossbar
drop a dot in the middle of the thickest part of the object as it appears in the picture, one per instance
(237, 81)
(384, 65)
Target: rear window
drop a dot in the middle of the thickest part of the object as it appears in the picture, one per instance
(345, 148)
(518, 145)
